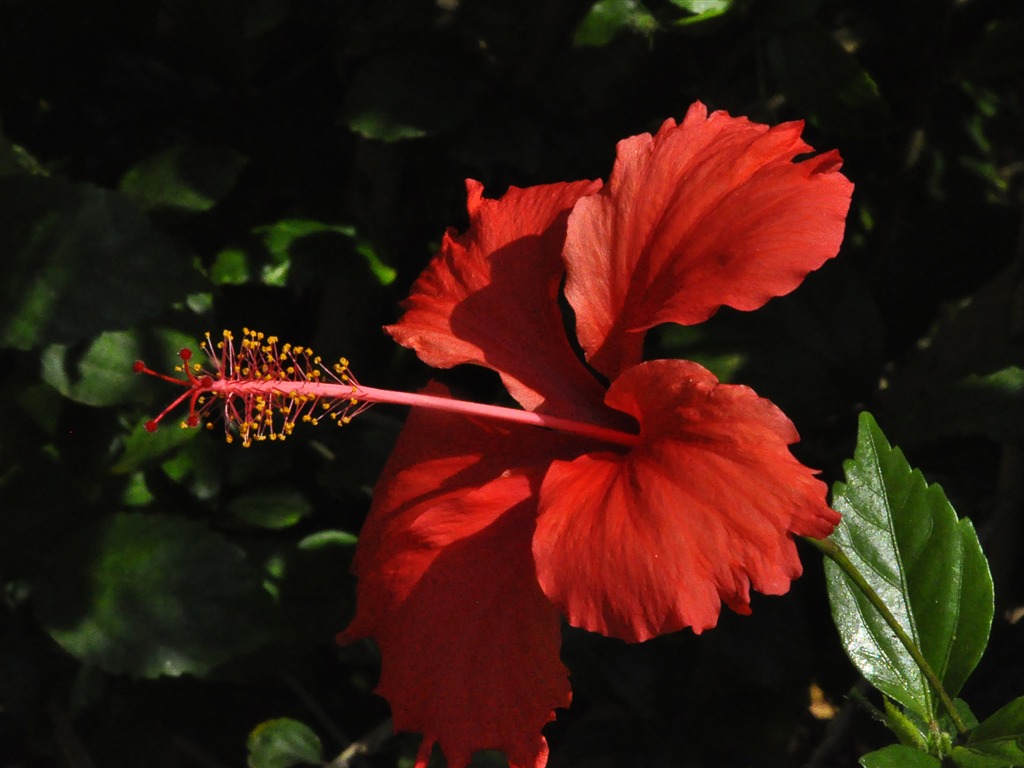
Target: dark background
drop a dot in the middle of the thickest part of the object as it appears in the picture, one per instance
(168, 168)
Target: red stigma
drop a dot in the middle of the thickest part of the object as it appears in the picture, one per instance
(263, 388)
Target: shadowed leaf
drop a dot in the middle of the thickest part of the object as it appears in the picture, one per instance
(998, 742)
(283, 743)
(80, 261)
(153, 595)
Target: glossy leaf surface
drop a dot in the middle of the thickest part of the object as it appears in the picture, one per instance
(925, 564)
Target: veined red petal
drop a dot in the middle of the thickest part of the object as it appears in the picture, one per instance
(707, 213)
(447, 588)
(698, 512)
(490, 297)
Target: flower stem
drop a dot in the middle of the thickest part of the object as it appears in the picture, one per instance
(835, 553)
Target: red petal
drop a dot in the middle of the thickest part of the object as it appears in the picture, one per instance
(469, 644)
(699, 511)
(490, 297)
(710, 212)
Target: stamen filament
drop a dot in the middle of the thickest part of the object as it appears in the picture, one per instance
(266, 388)
(371, 395)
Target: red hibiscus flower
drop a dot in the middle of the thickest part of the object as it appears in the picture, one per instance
(482, 534)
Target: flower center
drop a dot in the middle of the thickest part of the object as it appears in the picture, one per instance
(265, 388)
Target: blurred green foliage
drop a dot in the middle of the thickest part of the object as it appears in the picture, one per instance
(172, 167)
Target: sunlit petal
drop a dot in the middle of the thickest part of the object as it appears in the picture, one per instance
(706, 213)
(698, 513)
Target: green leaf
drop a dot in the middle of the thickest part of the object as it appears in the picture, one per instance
(996, 742)
(272, 509)
(283, 743)
(606, 18)
(281, 237)
(927, 565)
(966, 715)
(151, 595)
(188, 178)
(197, 466)
(702, 10)
(281, 241)
(899, 756)
(230, 267)
(80, 261)
(136, 493)
(142, 447)
(330, 538)
(965, 757)
(101, 375)
(827, 83)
